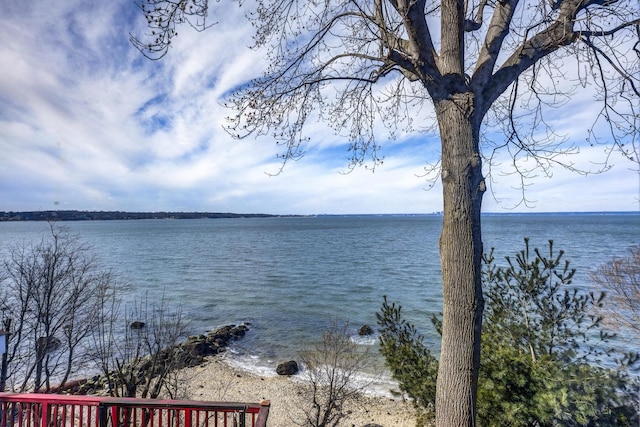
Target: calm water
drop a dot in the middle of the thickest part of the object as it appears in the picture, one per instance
(290, 277)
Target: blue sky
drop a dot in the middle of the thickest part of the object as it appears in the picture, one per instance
(87, 123)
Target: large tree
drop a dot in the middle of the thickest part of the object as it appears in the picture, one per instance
(359, 65)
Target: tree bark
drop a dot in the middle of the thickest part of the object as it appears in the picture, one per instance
(460, 256)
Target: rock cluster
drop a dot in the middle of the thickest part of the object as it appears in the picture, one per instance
(197, 347)
(189, 353)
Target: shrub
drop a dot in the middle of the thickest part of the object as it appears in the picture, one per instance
(546, 358)
(411, 363)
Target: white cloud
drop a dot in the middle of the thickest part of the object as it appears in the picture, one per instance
(87, 123)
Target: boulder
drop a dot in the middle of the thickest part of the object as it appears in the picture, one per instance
(221, 336)
(137, 325)
(287, 368)
(365, 330)
(239, 331)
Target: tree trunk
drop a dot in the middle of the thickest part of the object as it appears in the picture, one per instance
(460, 256)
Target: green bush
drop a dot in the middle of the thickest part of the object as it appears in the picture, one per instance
(410, 361)
(546, 359)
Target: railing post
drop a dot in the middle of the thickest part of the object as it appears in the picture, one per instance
(102, 414)
(187, 418)
(44, 414)
(3, 413)
(263, 414)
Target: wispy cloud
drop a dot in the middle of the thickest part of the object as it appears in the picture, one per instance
(87, 123)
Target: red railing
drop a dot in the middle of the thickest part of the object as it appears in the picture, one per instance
(53, 410)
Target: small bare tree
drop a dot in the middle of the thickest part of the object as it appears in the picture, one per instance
(51, 292)
(332, 369)
(137, 351)
(620, 278)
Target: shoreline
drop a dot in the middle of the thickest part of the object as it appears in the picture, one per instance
(377, 376)
(218, 379)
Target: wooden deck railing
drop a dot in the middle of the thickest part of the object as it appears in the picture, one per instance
(52, 410)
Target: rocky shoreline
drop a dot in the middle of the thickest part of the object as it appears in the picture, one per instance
(205, 374)
(192, 352)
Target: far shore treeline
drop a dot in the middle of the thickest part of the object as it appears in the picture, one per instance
(72, 215)
(75, 215)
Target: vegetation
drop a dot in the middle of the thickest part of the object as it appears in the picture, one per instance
(65, 315)
(409, 359)
(452, 67)
(620, 278)
(548, 353)
(547, 359)
(116, 215)
(136, 349)
(331, 370)
(50, 294)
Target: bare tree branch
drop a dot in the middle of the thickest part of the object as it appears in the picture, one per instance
(163, 16)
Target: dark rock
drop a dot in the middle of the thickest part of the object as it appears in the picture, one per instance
(239, 331)
(47, 344)
(365, 330)
(221, 336)
(137, 325)
(224, 330)
(199, 348)
(287, 368)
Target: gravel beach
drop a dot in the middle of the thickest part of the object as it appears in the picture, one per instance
(217, 380)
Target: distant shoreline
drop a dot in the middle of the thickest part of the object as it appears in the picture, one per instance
(75, 215)
(72, 215)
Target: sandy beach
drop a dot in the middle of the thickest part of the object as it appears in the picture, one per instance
(217, 380)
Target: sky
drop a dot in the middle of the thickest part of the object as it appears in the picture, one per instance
(88, 123)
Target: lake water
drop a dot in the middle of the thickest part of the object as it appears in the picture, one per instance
(290, 277)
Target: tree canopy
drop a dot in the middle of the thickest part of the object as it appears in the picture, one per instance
(361, 64)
